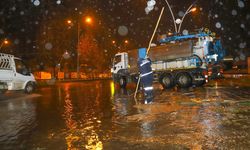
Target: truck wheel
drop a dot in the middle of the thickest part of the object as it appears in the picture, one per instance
(199, 83)
(123, 82)
(184, 80)
(29, 88)
(167, 81)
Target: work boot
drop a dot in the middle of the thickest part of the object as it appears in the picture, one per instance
(149, 98)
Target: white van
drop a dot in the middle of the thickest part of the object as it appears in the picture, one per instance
(14, 75)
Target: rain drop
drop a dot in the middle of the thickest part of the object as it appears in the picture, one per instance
(36, 2)
(242, 56)
(13, 8)
(21, 13)
(123, 30)
(16, 41)
(248, 16)
(1, 31)
(58, 2)
(28, 41)
(234, 12)
(242, 45)
(218, 25)
(241, 4)
(185, 32)
(237, 59)
(180, 13)
(242, 26)
(48, 46)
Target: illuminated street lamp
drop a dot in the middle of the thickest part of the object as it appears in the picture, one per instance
(4, 42)
(88, 20)
(189, 10)
(126, 41)
(69, 22)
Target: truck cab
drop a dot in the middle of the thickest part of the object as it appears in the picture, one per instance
(15, 74)
(120, 62)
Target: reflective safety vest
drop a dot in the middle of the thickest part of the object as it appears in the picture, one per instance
(145, 67)
(148, 88)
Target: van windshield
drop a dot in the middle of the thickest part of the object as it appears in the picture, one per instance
(21, 67)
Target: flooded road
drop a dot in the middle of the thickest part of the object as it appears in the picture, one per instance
(96, 115)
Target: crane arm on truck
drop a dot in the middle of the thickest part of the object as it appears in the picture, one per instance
(183, 37)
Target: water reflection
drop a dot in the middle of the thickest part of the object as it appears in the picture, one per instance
(97, 115)
(18, 120)
(68, 108)
(84, 112)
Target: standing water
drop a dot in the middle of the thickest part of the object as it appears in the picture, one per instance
(96, 115)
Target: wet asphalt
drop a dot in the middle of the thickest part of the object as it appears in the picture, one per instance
(99, 115)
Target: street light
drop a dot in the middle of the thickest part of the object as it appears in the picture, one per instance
(189, 10)
(4, 42)
(65, 55)
(126, 41)
(88, 20)
(179, 21)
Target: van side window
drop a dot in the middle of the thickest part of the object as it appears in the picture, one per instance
(21, 68)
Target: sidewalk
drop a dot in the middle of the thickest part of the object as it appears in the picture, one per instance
(55, 81)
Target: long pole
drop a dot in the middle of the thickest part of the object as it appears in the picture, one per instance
(78, 53)
(152, 37)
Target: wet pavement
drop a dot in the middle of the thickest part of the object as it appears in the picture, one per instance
(97, 115)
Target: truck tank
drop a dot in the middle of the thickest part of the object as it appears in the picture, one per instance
(171, 51)
(162, 53)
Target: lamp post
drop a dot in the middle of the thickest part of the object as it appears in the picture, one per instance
(88, 20)
(65, 55)
(178, 21)
(190, 9)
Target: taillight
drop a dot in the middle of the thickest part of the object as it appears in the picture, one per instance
(205, 73)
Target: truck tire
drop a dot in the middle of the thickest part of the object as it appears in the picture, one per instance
(184, 80)
(167, 81)
(123, 82)
(29, 88)
(199, 83)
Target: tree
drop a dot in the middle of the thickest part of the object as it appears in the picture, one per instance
(90, 54)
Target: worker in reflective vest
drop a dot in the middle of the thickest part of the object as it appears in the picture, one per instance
(146, 75)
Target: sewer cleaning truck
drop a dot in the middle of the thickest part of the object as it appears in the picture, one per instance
(179, 60)
(14, 75)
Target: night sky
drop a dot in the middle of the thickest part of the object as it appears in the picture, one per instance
(33, 26)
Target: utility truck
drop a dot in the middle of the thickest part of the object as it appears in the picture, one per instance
(14, 75)
(180, 60)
